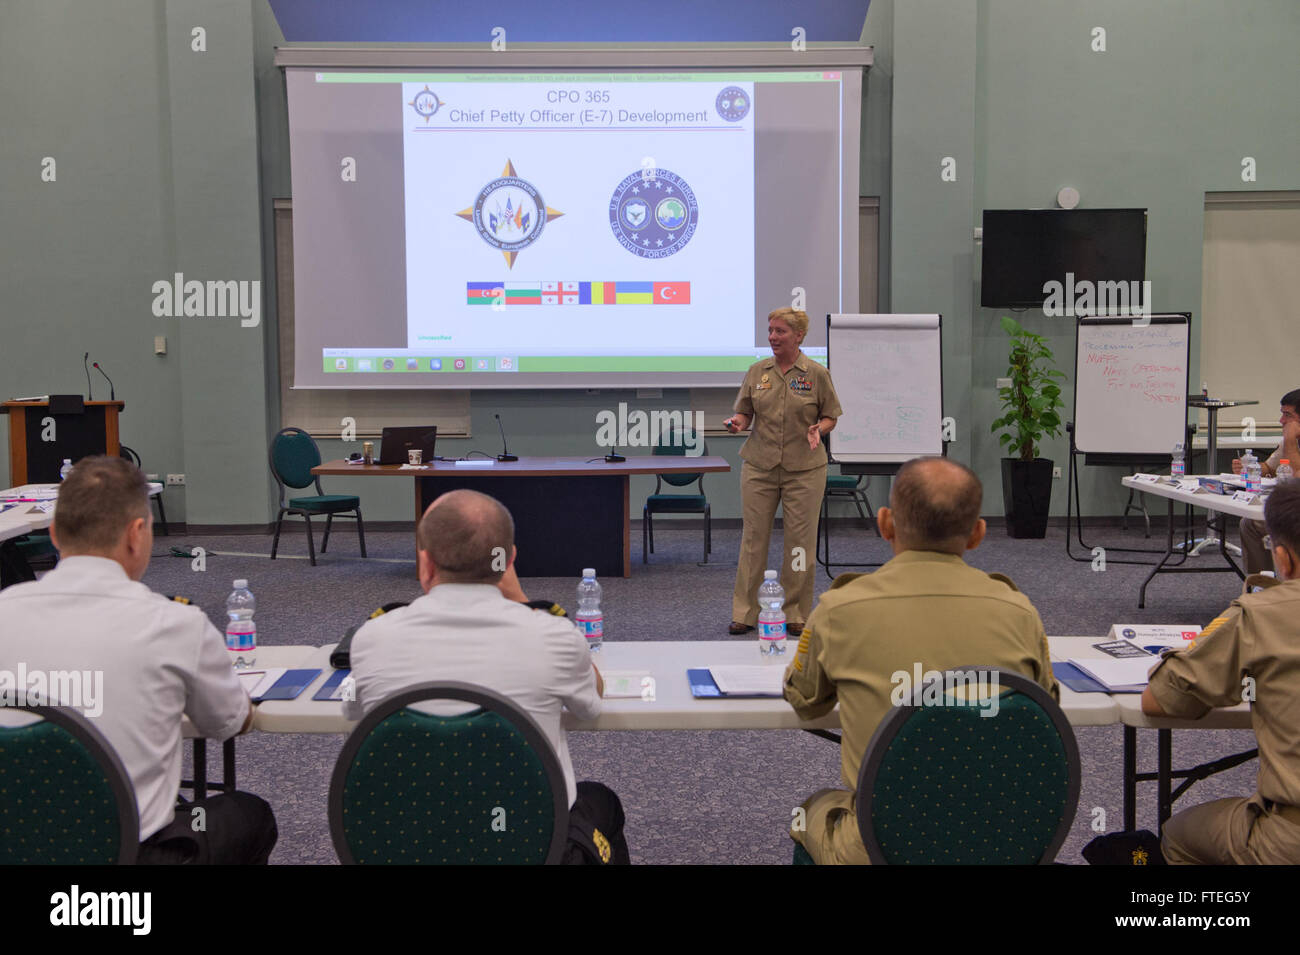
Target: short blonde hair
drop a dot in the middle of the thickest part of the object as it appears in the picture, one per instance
(797, 319)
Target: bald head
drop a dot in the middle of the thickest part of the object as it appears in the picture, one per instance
(469, 537)
(935, 505)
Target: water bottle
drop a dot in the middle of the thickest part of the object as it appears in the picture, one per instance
(66, 469)
(1252, 471)
(589, 619)
(1284, 472)
(241, 632)
(1177, 468)
(771, 616)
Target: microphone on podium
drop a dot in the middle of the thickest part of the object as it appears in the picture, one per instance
(505, 454)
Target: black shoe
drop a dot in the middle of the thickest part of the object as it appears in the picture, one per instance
(794, 629)
(736, 629)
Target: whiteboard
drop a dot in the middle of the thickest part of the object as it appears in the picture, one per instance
(1130, 385)
(887, 371)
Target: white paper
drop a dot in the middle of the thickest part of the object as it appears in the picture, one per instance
(476, 463)
(1117, 674)
(757, 680)
(1147, 478)
(265, 679)
(628, 685)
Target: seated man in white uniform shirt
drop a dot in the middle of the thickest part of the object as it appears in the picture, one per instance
(465, 629)
(159, 660)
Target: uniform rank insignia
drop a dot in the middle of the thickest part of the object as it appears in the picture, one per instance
(602, 845)
(1139, 857)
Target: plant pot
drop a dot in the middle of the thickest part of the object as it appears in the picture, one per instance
(1026, 496)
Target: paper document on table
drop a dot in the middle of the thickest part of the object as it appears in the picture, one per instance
(758, 680)
(1118, 676)
(628, 685)
(257, 682)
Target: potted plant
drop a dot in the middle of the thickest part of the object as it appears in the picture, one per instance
(1031, 404)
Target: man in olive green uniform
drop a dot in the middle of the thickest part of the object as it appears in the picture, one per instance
(925, 606)
(791, 405)
(1250, 651)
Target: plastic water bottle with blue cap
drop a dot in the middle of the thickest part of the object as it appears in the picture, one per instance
(241, 632)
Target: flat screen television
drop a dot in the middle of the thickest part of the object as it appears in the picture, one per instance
(1023, 249)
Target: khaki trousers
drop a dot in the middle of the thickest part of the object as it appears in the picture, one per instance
(830, 832)
(1255, 556)
(1230, 832)
(800, 495)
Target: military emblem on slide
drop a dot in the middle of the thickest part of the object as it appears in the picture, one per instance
(509, 214)
(653, 218)
(426, 104)
(732, 104)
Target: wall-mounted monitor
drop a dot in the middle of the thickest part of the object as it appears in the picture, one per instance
(1025, 249)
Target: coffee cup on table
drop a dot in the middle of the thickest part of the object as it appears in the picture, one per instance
(415, 456)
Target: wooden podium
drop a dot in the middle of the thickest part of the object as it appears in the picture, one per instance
(80, 429)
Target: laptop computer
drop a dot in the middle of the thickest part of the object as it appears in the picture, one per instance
(395, 442)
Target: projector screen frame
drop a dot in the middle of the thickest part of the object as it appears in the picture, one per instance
(701, 59)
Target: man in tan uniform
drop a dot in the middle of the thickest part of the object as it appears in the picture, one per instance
(1250, 651)
(925, 606)
(791, 405)
(1253, 551)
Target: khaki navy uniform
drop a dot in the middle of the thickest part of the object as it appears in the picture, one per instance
(780, 468)
(921, 607)
(1255, 643)
(1254, 554)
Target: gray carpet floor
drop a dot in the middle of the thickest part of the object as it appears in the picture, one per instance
(697, 797)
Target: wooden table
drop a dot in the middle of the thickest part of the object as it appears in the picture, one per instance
(570, 513)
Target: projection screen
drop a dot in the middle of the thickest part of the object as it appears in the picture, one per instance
(536, 224)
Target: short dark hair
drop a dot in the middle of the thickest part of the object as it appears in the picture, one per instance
(461, 535)
(1291, 399)
(936, 501)
(1282, 515)
(97, 500)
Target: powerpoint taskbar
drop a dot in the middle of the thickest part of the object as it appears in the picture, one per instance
(559, 364)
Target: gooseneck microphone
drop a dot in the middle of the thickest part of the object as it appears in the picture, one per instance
(112, 393)
(505, 454)
(90, 391)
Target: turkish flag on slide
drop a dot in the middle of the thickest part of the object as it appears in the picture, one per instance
(672, 293)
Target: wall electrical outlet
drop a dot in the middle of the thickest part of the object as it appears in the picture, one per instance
(159, 345)
(1004, 382)
(1056, 472)
(176, 480)
(151, 477)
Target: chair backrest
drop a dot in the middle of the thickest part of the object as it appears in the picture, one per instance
(293, 454)
(672, 443)
(67, 799)
(124, 452)
(943, 784)
(482, 788)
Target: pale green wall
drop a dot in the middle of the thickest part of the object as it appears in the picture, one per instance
(169, 159)
(1185, 89)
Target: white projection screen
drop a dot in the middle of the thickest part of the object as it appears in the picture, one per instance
(544, 220)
